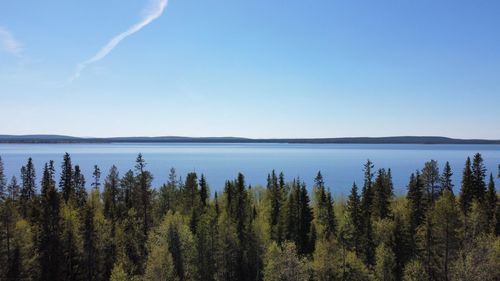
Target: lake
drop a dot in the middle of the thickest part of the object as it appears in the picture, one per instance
(341, 164)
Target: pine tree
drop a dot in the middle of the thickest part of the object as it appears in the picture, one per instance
(49, 246)
(430, 178)
(96, 174)
(467, 188)
(446, 182)
(66, 183)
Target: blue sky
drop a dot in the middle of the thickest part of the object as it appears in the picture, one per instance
(258, 68)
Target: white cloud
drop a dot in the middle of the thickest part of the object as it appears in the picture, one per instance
(152, 14)
(9, 43)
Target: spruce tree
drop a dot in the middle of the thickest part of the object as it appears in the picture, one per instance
(323, 211)
(416, 208)
(367, 243)
(13, 189)
(355, 219)
(491, 204)
(79, 187)
(467, 188)
(111, 195)
(66, 183)
(446, 182)
(204, 191)
(478, 177)
(49, 246)
(382, 195)
(28, 189)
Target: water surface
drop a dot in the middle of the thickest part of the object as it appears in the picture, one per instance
(341, 164)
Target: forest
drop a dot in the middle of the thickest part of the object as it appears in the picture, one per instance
(61, 226)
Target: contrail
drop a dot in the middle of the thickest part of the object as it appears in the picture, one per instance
(153, 14)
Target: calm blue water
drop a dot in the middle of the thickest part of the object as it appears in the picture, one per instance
(341, 164)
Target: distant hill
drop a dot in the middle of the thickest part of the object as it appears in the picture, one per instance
(177, 139)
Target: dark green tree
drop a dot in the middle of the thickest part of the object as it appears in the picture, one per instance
(323, 211)
(204, 191)
(79, 186)
(355, 216)
(491, 204)
(49, 246)
(28, 189)
(478, 177)
(467, 188)
(446, 182)
(66, 183)
(96, 175)
(416, 207)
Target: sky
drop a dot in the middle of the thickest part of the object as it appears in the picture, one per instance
(260, 68)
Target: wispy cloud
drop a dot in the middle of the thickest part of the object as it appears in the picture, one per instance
(152, 14)
(9, 43)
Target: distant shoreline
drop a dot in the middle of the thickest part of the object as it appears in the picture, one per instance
(60, 139)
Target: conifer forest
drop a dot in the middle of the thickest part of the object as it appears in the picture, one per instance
(61, 226)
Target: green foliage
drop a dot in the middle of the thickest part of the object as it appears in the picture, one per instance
(179, 232)
(284, 264)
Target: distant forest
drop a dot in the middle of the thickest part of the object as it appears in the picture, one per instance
(176, 139)
(116, 227)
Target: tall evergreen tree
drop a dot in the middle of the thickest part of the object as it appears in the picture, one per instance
(467, 188)
(111, 195)
(144, 179)
(446, 182)
(367, 243)
(355, 219)
(491, 206)
(13, 189)
(96, 175)
(478, 177)
(323, 210)
(204, 191)
(416, 207)
(169, 194)
(49, 246)
(79, 187)
(90, 251)
(382, 194)
(66, 183)
(275, 188)
(28, 189)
